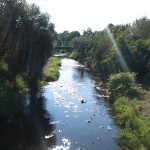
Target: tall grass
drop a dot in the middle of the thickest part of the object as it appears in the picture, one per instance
(135, 134)
(51, 70)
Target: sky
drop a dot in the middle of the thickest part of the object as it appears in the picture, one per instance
(78, 15)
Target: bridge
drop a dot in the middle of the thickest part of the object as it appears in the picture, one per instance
(66, 48)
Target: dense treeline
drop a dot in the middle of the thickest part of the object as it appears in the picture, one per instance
(119, 48)
(119, 54)
(26, 41)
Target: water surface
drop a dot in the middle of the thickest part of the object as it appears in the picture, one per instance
(69, 114)
(81, 115)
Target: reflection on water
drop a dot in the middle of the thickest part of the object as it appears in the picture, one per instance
(28, 130)
(70, 114)
(81, 114)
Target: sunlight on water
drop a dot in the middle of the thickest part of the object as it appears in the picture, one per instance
(120, 57)
(81, 118)
(65, 146)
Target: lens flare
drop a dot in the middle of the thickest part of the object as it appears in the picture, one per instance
(121, 60)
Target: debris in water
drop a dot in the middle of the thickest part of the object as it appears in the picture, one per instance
(109, 128)
(88, 121)
(54, 122)
(101, 127)
(60, 131)
(98, 88)
(49, 136)
(98, 138)
(109, 108)
(83, 101)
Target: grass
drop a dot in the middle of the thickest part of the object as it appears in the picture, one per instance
(145, 96)
(145, 103)
(50, 73)
(74, 55)
(51, 70)
(135, 132)
(133, 115)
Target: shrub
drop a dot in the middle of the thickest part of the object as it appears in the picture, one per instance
(128, 140)
(11, 103)
(126, 109)
(74, 55)
(122, 84)
(136, 132)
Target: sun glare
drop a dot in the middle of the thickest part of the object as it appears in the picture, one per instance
(122, 62)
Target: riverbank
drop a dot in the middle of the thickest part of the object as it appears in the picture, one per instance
(133, 114)
(128, 104)
(51, 70)
(11, 93)
(145, 99)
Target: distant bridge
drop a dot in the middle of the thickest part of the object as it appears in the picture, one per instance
(58, 48)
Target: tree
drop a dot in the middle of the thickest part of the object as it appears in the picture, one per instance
(141, 28)
(26, 40)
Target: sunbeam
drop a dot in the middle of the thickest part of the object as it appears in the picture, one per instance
(123, 64)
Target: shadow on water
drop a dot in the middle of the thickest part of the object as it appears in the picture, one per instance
(29, 130)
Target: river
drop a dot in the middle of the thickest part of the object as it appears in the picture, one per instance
(69, 114)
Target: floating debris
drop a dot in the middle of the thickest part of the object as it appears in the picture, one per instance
(101, 127)
(54, 122)
(109, 108)
(98, 138)
(60, 131)
(109, 128)
(99, 95)
(49, 136)
(98, 88)
(65, 146)
(83, 101)
(88, 121)
(106, 96)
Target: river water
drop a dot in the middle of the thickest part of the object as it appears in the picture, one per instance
(69, 114)
(81, 116)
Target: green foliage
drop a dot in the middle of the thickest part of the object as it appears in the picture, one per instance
(128, 140)
(26, 40)
(122, 84)
(21, 83)
(126, 109)
(74, 55)
(136, 132)
(141, 28)
(81, 43)
(124, 48)
(51, 70)
(66, 37)
(11, 100)
(141, 52)
(101, 48)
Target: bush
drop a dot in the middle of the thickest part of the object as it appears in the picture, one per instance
(74, 55)
(126, 109)
(122, 84)
(128, 140)
(136, 132)
(11, 103)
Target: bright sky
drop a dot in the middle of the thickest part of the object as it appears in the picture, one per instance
(78, 15)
